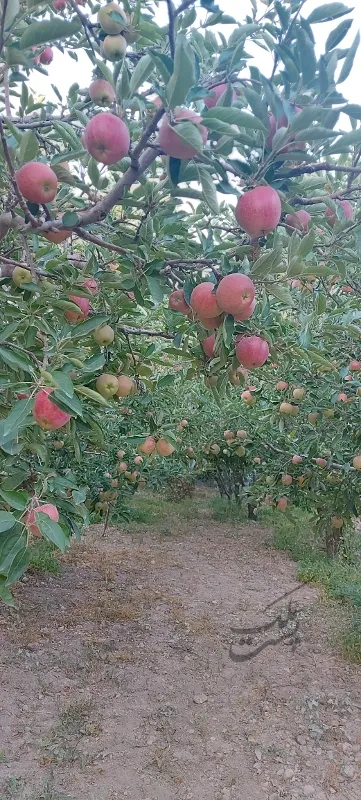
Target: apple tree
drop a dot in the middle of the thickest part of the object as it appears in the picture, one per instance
(182, 171)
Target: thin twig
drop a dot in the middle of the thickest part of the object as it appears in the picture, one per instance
(171, 34)
(6, 92)
(325, 166)
(183, 7)
(89, 237)
(144, 332)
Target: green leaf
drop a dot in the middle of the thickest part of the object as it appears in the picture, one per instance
(13, 129)
(16, 360)
(17, 415)
(141, 73)
(257, 104)
(282, 293)
(18, 500)
(347, 140)
(183, 77)
(47, 31)
(7, 521)
(19, 565)
(352, 110)
(12, 10)
(5, 595)
(336, 36)
(52, 531)
(348, 62)
(63, 382)
(157, 288)
(71, 219)
(190, 134)
(327, 12)
(234, 116)
(29, 147)
(163, 63)
(9, 329)
(68, 155)
(67, 134)
(307, 56)
(92, 395)
(89, 325)
(304, 118)
(93, 172)
(209, 189)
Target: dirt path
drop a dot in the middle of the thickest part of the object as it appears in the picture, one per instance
(117, 681)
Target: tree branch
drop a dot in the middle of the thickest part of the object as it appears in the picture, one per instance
(89, 237)
(85, 23)
(144, 332)
(325, 166)
(171, 17)
(183, 7)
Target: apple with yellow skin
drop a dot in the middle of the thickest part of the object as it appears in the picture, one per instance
(114, 48)
(357, 462)
(107, 385)
(109, 25)
(21, 276)
(299, 393)
(104, 335)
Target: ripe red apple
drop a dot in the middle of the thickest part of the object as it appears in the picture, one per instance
(299, 221)
(47, 414)
(354, 365)
(109, 25)
(286, 480)
(147, 447)
(235, 293)
(21, 276)
(168, 138)
(92, 285)
(164, 448)
(282, 504)
(104, 335)
(228, 434)
(84, 308)
(177, 302)
(107, 385)
(120, 453)
(101, 92)
(252, 351)
(281, 386)
(208, 345)
(46, 56)
(122, 467)
(347, 212)
(313, 417)
(259, 211)
(342, 397)
(246, 313)
(321, 462)
(138, 460)
(59, 5)
(297, 459)
(107, 138)
(22, 396)
(203, 300)
(241, 434)
(211, 323)
(37, 182)
(216, 93)
(47, 508)
(114, 48)
(126, 386)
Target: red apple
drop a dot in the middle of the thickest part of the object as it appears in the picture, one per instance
(92, 285)
(47, 414)
(46, 56)
(299, 221)
(252, 351)
(37, 182)
(30, 520)
(101, 91)
(84, 308)
(259, 211)
(203, 300)
(177, 302)
(106, 138)
(216, 93)
(235, 293)
(246, 313)
(59, 5)
(347, 212)
(208, 345)
(169, 140)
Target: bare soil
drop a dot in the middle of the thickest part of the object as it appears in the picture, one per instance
(120, 679)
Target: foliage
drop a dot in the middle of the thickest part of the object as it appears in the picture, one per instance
(137, 226)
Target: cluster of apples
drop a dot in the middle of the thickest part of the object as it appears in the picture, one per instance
(235, 295)
(233, 445)
(118, 29)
